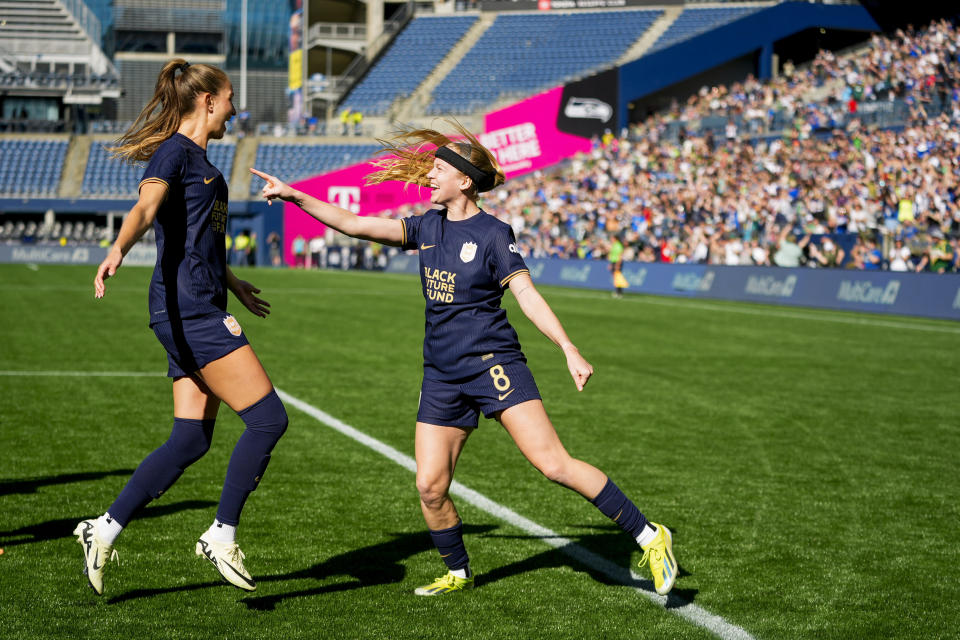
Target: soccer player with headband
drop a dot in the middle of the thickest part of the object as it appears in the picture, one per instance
(472, 357)
(184, 198)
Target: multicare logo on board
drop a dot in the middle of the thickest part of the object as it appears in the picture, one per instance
(48, 255)
(635, 278)
(575, 273)
(771, 287)
(693, 281)
(536, 270)
(864, 291)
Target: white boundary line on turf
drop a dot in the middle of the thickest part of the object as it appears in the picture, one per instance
(683, 608)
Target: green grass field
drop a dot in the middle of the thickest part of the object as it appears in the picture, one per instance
(806, 461)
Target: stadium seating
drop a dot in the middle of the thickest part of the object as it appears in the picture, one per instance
(292, 162)
(31, 167)
(113, 178)
(413, 55)
(33, 231)
(693, 22)
(521, 54)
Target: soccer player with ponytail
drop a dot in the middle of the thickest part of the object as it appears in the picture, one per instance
(472, 358)
(184, 198)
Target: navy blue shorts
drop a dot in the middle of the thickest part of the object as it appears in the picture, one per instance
(459, 403)
(193, 343)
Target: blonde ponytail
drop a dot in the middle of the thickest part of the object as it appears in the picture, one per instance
(411, 153)
(178, 85)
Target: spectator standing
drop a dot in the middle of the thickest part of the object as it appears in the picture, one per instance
(299, 251)
(273, 242)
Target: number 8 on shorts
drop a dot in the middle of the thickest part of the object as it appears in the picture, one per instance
(500, 380)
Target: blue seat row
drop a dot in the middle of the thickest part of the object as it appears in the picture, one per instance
(693, 22)
(292, 162)
(410, 58)
(521, 54)
(31, 167)
(107, 177)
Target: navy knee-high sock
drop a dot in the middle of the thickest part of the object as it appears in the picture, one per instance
(188, 441)
(266, 421)
(615, 505)
(449, 543)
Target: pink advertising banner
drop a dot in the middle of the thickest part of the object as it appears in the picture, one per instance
(345, 189)
(524, 137)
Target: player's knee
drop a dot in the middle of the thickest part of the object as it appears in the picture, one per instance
(267, 416)
(189, 440)
(554, 469)
(432, 490)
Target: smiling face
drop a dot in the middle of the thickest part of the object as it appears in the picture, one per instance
(446, 181)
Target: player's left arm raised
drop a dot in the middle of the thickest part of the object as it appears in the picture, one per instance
(542, 316)
(245, 293)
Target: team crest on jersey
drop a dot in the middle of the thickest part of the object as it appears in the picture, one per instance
(468, 251)
(232, 325)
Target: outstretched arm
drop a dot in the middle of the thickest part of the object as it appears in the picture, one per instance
(541, 315)
(382, 230)
(141, 216)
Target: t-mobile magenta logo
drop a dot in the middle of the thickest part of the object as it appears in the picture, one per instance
(345, 197)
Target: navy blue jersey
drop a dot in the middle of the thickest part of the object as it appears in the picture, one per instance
(464, 268)
(190, 278)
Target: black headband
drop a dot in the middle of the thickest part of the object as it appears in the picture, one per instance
(183, 66)
(484, 180)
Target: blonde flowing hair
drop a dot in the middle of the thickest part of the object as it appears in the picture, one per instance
(175, 95)
(411, 153)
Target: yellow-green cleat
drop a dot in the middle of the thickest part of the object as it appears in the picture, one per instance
(96, 554)
(228, 559)
(663, 565)
(444, 585)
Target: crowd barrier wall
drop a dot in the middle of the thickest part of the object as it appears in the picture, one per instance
(142, 254)
(913, 294)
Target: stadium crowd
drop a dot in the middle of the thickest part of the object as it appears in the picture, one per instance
(826, 190)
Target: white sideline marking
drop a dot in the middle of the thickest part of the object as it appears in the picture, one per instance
(683, 608)
(686, 610)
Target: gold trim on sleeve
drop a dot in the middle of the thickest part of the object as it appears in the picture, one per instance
(146, 180)
(513, 275)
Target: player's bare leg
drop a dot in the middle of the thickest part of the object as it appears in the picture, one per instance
(437, 450)
(531, 429)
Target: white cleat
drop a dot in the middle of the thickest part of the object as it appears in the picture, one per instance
(96, 554)
(228, 559)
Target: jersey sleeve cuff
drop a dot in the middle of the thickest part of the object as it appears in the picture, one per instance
(146, 180)
(505, 281)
